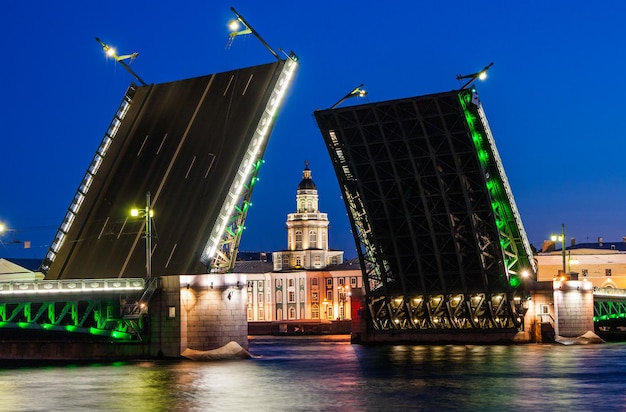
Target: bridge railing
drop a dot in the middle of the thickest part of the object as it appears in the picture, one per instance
(610, 292)
(114, 285)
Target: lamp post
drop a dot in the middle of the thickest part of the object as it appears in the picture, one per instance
(344, 293)
(3, 230)
(147, 213)
(234, 27)
(561, 239)
(110, 51)
(481, 75)
(356, 92)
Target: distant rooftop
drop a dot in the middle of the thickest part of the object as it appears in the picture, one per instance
(603, 246)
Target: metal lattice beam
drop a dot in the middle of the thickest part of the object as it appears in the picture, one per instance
(440, 241)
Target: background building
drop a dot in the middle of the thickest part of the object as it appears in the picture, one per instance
(601, 263)
(307, 232)
(308, 282)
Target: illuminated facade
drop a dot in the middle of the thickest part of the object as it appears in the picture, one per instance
(307, 232)
(309, 281)
(302, 295)
(603, 264)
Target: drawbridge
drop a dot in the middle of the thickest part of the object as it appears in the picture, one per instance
(192, 148)
(441, 243)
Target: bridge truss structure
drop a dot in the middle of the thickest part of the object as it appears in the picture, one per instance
(609, 307)
(112, 309)
(439, 237)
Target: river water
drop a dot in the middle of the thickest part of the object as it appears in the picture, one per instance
(330, 374)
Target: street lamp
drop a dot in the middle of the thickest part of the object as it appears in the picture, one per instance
(344, 294)
(3, 230)
(561, 238)
(356, 92)
(146, 213)
(111, 52)
(481, 75)
(234, 28)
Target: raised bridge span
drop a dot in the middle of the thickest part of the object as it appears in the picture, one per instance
(441, 244)
(195, 146)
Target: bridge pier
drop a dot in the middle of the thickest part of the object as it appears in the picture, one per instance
(200, 312)
(573, 307)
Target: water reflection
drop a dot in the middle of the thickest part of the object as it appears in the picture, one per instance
(329, 373)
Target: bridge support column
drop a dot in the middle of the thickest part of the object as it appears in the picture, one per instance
(200, 312)
(573, 307)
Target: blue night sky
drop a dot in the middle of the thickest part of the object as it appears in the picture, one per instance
(554, 97)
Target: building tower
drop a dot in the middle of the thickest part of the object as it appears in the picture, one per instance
(307, 232)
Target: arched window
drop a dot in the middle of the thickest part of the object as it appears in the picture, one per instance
(312, 239)
(298, 240)
(315, 311)
(292, 313)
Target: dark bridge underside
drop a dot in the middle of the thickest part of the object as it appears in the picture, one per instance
(440, 243)
(181, 141)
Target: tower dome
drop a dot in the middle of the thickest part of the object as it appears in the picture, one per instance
(307, 232)
(307, 182)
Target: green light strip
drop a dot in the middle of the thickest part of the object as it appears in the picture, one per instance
(504, 216)
(115, 334)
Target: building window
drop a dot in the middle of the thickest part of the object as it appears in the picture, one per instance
(260, 302)
(249, 298)
(341, 312)
(329, 295)
(285, 260)
(312, 239)
(315, 297)
(298, 240)
(261, 314)
(315, 311)
(249, 314)
(279, 297)
(318, 260)
(298, 261)
(279, 283)
(329, 281)
(353, 281)
(585, 272)
(342, 281)
(292, 313)
(314, 282)
(329, 312)
(607, 272)
(292, 297)
(291, 283)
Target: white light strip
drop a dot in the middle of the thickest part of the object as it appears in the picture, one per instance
(71, 286)
(260, 137)
(88, 178)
